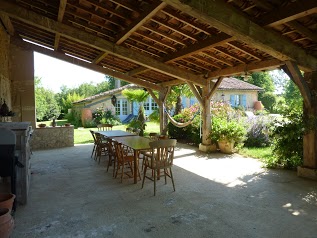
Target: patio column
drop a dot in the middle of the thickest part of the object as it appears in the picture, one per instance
(204, 96)
(309, 168)
(307, 85)
(160, 102)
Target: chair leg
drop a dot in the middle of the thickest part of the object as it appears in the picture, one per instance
(155, 172)
(144, 174)
(109, 162)
(165, 173)
(172, 179)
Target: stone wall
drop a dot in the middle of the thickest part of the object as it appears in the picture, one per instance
(52, 137)
(5, 83)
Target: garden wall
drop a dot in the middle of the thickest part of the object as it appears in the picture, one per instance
(52, 137)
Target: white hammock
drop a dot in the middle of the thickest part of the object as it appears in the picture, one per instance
(179, 124)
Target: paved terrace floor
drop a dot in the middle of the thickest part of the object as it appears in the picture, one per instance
(216, 195)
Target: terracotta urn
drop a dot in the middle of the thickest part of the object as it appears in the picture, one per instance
(6, 223)
(226, 146)
(6, 200)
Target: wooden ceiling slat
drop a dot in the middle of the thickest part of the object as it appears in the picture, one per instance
(163, 34)
(173, 28)
(231, 22)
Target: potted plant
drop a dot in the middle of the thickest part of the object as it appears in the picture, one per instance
(229, 134)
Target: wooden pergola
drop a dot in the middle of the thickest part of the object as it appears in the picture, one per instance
(157, 44)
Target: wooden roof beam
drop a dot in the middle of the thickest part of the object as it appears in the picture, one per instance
(144, 17)
(225, 19)
(61, 12)
(293, 11)
(72, 33)
(242, 68)
(84, 64)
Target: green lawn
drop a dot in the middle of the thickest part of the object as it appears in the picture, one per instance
(83, 136)
(264, 154)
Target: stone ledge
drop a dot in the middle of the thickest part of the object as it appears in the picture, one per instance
(307, 172)
(52, 137)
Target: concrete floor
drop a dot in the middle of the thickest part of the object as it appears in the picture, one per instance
(216, 196)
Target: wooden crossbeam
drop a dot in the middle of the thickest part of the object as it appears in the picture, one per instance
(294, 73)
(84, 64)
(93, 41)
(61, 12)
(144, 17)
(7, 24)
(242, 68)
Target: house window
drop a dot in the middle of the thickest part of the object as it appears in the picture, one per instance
(153, 105)
(122, 107)
(118, 107)
(147, 105)
(238, 100)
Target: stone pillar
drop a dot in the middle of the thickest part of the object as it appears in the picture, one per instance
(22, 77)
(5, 82)
(309, 168)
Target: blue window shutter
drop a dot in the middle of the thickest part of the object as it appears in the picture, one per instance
(232, 101)
(244, 101)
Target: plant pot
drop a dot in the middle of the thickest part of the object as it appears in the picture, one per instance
(226, 147)
(6, 200)
(42, 125)
(6, 223)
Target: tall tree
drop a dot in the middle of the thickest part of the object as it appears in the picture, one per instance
(175, 97)
(140, 96)
(47, 107)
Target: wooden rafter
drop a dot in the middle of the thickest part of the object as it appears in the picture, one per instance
(144, 17)
(217, 14)
(245, 50)
(242, 68)
(61, 12)
(303, 30)
(293, 11)
(210, 42)
(95, 42)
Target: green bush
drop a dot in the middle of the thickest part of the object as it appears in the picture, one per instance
(74, 118)
(287, 137)
(230, 130)
(190, 133)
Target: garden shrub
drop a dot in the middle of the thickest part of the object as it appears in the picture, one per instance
(101, 115)
(287, 137)
(258, 131)
(190, 133)
(74, 118)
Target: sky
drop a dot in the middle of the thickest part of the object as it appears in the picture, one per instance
(55, 73)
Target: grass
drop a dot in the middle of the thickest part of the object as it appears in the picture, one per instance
(264, 154)
(83, 136)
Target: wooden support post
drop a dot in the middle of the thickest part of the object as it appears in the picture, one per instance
(308, 88)
(309, 168)
(207, 92)
(163, 120)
